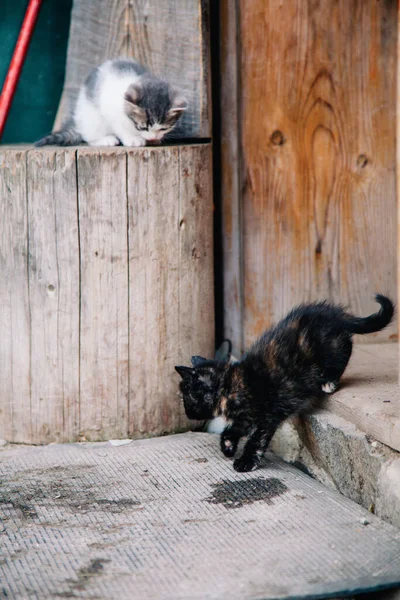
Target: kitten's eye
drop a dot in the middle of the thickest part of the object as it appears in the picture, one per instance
(140, 127)
(163, 128)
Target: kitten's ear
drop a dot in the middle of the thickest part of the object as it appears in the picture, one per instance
(184, 372)
(132, 96)
(223, 354)
(134, 93)
(198, 360)
(178, 106)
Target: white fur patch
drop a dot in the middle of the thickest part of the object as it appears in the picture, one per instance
(217, 425)
(329, 387)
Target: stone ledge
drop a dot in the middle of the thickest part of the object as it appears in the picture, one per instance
(344, 458)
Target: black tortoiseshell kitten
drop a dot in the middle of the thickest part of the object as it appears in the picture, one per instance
(200, 383)
(281, 374)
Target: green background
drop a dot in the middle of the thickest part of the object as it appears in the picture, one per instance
(39, 89)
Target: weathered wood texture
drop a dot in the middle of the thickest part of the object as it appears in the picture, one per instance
(230, 175)
(398, 183)
(104, 330)
(106, 283)
(171, 38)
(171, 277)
(15, 347)
(53, 285)
(314, 115)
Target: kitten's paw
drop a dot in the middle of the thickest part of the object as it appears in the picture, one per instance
(245, 464)
(329, 387)
(228, 447)
(229, 442)
(134, 142)
(108, 140)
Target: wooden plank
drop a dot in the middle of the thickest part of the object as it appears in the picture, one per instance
(230, 176)
(15, 413)
(196, 281)
(318, 155)
(369, 395)
(171, 38)
(53, 294)
(398, 181)
(171, 278)
(104, 293)
(153, 196)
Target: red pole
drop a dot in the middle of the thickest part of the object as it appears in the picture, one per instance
(17, 61)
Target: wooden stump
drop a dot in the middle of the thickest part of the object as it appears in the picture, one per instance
(106, 283)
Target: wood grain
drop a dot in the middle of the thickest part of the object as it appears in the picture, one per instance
(15, 414)
(104, 293)
(154, 288)
(398, 185)
(106, 259)
(230, 176)
(196, 281)
(171, 38)
(170, 272)
(317, 101)
(53, 295)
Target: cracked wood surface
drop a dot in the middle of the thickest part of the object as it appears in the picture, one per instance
(106, 265)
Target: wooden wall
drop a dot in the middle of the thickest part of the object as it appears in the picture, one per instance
(170, 37)
(106, 283)
(309, 157)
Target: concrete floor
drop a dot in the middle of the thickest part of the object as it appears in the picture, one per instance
(168, 518)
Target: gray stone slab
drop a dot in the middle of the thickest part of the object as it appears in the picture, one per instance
(339, 455)
(168, 518)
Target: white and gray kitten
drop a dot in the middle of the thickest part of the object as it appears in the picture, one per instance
(121, 103)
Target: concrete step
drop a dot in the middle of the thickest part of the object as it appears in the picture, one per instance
(344, 458)
(341, 444)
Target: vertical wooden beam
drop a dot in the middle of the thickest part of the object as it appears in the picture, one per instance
(15, 383)
(104, 327)
(53, 294)
(398, 184)
(317, 156)
(153, 197)
(171, 310)
(196, 281)
(230, 176)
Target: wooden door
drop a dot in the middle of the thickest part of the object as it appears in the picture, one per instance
(308, 157)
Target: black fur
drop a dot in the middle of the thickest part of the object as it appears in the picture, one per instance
(282, 373)
(200, 384)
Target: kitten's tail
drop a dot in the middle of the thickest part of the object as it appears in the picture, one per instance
(67, 136)
(374, 322)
